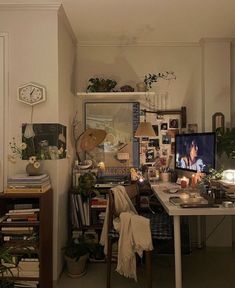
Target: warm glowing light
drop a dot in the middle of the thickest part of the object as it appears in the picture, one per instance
(229, 175)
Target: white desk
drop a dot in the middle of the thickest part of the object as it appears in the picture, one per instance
(176, 212)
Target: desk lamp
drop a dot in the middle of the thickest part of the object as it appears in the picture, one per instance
(145, 129)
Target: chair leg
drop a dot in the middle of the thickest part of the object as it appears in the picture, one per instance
(109, 262)
(148, 263)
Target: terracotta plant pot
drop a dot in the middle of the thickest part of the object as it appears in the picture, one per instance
(76, 268)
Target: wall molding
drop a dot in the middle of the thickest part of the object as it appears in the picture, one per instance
(5, 106)
(27, 6)
(62, 15)
(137, 44)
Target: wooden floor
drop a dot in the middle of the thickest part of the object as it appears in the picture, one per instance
(204, 268)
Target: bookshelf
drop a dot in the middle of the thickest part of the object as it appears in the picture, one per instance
(36, 246)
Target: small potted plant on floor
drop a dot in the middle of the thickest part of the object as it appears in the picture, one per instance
(76, 254)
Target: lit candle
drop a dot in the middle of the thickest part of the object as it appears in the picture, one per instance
(101, 166)
(183, 182)
(184, 196)
(193, 181)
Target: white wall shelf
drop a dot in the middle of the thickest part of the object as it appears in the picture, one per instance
(92, 94)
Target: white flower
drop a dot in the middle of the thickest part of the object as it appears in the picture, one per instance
(32, 159)
(23, 146)
(36, 164)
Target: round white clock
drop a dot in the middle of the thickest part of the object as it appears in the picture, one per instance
(31, 93)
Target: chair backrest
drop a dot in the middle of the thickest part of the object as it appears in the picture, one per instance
(132, 192)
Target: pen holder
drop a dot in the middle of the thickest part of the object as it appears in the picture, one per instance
(165, 177)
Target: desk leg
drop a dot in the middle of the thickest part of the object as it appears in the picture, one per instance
(177, 242)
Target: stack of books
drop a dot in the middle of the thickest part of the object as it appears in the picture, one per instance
(32, 184)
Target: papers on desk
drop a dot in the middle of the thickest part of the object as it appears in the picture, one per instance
(167, 187)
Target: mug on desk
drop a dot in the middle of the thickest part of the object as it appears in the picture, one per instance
(165, 177)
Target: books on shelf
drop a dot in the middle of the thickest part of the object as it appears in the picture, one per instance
(17, 230)
(32, 184)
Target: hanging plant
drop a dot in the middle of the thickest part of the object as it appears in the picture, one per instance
(149, 79)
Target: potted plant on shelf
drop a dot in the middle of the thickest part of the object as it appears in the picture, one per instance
(101, 85)
(76, 254)
(86, 185)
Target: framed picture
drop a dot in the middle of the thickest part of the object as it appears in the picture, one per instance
(174, 123)
(192, 128)
(218, 122)
(152, 173)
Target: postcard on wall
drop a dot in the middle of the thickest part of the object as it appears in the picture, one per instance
(154, 143)
(166, 139)
(192, 128)
(155, 128)
(164, 126)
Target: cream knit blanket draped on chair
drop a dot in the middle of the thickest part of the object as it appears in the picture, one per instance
(134, 230)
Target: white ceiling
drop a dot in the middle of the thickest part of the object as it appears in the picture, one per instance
(150, 21)
(147, 21)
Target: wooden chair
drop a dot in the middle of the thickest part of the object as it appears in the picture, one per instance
(132, 191)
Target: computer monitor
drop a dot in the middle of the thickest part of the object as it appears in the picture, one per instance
(195, 152)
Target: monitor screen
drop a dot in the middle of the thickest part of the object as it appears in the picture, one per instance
(195, 152)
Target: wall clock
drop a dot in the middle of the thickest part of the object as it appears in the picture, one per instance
(31, 94)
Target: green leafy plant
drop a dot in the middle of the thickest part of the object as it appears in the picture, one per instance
(226, 142)
(101, 85)
(149, 79)
(6, 264)
(76, 248)
(86, 185)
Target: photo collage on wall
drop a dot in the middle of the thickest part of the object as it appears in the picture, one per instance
(159, 151)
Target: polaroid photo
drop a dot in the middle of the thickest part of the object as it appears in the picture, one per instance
(149, 155)
(154, 143)
(164, 126)
(166, 139)
(164, 152)
(192, 128)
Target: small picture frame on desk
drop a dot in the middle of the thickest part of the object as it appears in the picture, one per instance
(152, 173)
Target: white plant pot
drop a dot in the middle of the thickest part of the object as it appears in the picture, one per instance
(76, 268)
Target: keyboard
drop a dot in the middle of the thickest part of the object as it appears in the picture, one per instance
(198, 205)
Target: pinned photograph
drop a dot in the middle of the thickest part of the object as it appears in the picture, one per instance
(154, 143)
(152, 173)
(166, 139)
(164, 152)
(155, 128)
(192, 128)
(164, 126)
(173, 148)
(172, 132)
(174, 123)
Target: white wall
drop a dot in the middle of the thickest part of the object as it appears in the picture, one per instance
(128, 65)
(67, 53)
(36, 54)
